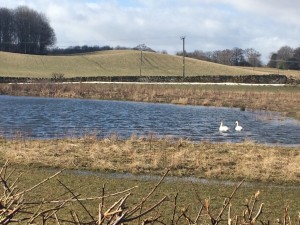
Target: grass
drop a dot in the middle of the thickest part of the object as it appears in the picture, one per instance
(190, 194)
(111, 63)
(152, 155)
(289, 73)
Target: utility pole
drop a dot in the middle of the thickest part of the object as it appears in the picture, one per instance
(141, 63)
(183, 56)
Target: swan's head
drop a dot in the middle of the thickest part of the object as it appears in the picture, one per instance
(236, 122)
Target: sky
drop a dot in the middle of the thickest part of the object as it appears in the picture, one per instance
(207, 25)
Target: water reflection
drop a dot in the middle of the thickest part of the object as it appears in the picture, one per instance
(56, 118)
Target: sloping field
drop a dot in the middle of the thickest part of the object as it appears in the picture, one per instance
(289, 73)
(111, 63)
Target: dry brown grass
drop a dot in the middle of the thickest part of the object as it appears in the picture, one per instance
(152, 155)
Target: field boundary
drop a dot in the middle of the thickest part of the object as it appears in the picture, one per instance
(246, 79)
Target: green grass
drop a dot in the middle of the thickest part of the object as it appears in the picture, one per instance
(275, 198)
(111, 63)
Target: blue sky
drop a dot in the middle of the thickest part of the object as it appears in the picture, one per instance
(265, 25)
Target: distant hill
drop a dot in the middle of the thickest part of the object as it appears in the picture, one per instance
(112, 63)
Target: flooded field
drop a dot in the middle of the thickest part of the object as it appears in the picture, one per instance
(47, 118)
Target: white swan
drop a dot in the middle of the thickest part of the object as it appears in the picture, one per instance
(238, 127)
(223, 128)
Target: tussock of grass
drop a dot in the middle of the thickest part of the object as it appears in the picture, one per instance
(153, 155)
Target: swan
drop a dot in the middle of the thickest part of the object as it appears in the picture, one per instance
(238, 127)
(223, 128)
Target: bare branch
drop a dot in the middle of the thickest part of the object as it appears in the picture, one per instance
(227, 202)
(258, 213)
(75, 196)
(135, 209)
(174, 209)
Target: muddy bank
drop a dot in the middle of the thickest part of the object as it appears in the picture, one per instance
(251, 79)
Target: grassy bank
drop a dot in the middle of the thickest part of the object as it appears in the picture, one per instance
(153, 155)
(281, 99)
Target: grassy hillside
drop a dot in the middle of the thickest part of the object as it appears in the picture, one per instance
(110, 63)
(290, 73)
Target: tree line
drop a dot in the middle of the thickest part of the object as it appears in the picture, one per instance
(77, 49)
(232, 57)
(85, 49)
(24, 30)
(285, 58)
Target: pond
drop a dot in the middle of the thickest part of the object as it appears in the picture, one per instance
(46, 118)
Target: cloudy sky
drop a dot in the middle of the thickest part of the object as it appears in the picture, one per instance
(208, 25)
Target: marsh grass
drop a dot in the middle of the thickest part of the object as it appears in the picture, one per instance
(143, 155)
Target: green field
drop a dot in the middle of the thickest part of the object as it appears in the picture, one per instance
(111, 63)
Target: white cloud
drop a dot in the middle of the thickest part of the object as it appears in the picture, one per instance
(208, 24)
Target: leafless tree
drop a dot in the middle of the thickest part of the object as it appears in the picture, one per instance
(6, 29)
(223, 56)
(25, 30)
(253, 57)
(237, 57)
(285, 52)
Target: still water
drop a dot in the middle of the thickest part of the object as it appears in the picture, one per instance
(55, 118)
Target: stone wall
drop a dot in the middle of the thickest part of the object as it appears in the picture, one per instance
(251, 79)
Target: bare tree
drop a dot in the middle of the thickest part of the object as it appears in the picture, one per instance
(237, 57)
(6, 29)
(46, 35)
(273, 60)
(297, 53)
(25, 30)
(223, 56)
(253, 57)
(285, 52)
